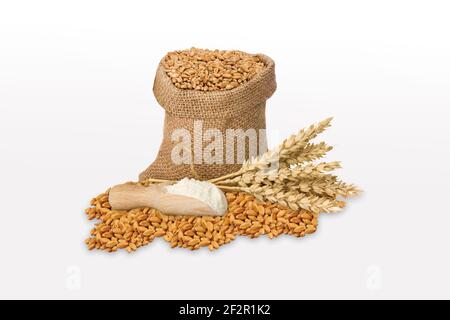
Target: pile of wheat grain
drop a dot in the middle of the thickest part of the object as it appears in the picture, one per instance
(211, 70)
(246, 216)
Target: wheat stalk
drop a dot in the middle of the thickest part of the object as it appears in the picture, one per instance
(295, 145)
(309, 153)
(293, 199)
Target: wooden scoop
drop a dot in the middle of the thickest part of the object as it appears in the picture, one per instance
(129, 196)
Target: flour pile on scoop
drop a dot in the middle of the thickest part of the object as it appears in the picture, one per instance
(204, 191)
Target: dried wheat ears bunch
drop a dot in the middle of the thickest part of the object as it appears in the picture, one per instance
(287, 175)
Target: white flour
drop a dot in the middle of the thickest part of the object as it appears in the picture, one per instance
(204, 191)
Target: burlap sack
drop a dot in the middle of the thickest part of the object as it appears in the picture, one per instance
(239, 108)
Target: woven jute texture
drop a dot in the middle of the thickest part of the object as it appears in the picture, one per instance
(240, 108)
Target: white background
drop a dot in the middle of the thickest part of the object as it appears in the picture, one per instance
(77, 115)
